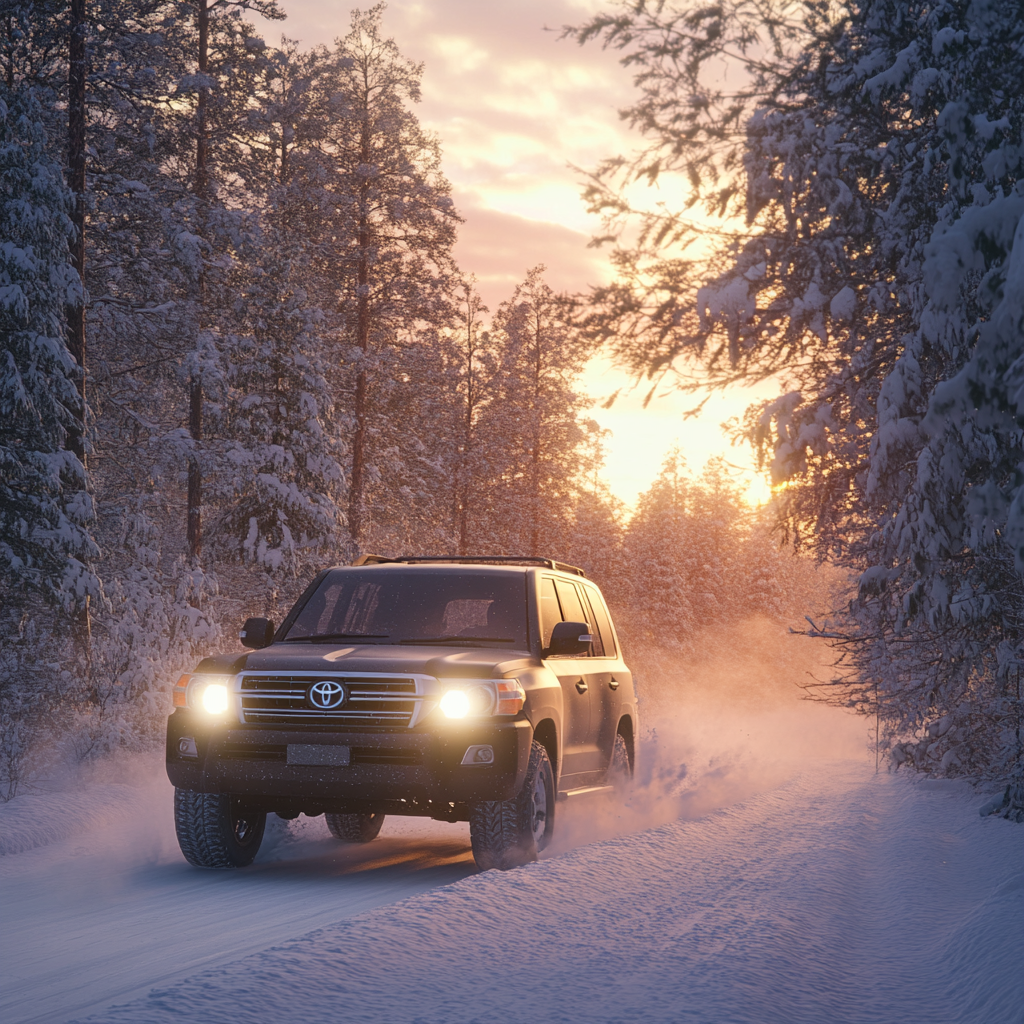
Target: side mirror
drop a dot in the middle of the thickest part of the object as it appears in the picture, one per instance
(569, 639)
(257, 633)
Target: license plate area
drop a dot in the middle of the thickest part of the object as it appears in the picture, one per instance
(319, 755)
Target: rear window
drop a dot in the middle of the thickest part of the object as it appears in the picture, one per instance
(396, 606)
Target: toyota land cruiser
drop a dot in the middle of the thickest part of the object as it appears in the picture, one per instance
(479, 689)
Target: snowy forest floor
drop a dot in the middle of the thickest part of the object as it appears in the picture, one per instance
(761, 872)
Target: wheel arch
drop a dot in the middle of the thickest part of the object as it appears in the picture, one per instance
(546, 735)
(625, 730)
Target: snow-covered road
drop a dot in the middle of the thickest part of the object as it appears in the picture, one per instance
(763, 873)
(839, 897)
(107, 915)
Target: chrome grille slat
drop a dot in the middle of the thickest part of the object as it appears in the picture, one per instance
(281, 697)
(299, 713)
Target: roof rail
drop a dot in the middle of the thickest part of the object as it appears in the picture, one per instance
(373, 560)
(548, 563)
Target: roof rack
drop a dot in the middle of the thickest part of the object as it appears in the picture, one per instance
(548, 563)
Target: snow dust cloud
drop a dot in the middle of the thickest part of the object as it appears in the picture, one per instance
(719, 725)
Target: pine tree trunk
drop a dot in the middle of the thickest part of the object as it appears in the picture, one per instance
(467, 450)
(194, 524)
(76, 311)
(195, 476)
(356, 482)
(76, 181)
(355, 494)
(535, 454)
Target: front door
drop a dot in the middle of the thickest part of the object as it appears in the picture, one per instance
(575, 695)
(582, 757)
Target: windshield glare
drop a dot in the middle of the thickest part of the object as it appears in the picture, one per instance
(391, 606)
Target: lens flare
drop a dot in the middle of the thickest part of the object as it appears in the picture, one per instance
(455, 704)
(215, 699)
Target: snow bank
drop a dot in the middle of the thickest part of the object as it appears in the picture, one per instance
(838, 896)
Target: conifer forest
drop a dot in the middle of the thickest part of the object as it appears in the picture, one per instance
(238, 348)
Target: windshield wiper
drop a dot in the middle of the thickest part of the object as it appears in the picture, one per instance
(460, 639)
(337, 636)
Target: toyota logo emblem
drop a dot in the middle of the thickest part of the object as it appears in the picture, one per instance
(327, 694)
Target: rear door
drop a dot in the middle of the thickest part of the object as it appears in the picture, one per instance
(575, 698)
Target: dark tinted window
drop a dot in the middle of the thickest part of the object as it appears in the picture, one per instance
(550, 614)
(603, 623)
(597, 648)
(390, 605)
(572, 606)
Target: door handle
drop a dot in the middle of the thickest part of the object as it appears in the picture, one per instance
(613, 683)
(581, 687)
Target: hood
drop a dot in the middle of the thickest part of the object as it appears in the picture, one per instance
(442, 663)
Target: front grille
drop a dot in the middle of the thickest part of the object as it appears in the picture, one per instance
(372, 701)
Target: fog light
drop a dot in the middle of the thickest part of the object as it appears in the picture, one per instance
(455, 704)
(481, 753)
(187, 747)
(215, 699)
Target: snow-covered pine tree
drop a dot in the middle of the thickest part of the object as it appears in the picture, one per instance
(393, 232)
(683, 546)
(595, 541)
(45, 508)
(881, 161)
(533, 427)
(282, 511)
(46, 551)
(474, 364)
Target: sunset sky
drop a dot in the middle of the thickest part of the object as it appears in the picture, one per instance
(514, 106)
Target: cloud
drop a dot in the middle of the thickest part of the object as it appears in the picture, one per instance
(500, 247)
(513, 104)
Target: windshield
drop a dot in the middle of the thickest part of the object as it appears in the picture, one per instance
(392, 606)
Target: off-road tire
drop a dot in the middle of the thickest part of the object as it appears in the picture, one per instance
(507, 833)
(355, 828)
(216, 830)
(620, 770)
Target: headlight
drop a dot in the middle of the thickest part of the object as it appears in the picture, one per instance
(455, 704)
(215, 698)
(209, 692)
(479, 698)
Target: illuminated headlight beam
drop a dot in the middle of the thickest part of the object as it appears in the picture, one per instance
(215, 698)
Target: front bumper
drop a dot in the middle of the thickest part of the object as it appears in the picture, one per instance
(397, 771)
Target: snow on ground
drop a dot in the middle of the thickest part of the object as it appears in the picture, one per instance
(761, 872)
(837, 896)
(110, 912)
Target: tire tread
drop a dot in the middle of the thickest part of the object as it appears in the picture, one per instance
(501, 831)
(354, 828)
(199, 823)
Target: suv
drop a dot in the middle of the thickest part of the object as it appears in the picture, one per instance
(462, 689)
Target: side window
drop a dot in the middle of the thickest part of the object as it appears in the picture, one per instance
(550, 613)
(604, 623)
(572, 606)
(598, 633)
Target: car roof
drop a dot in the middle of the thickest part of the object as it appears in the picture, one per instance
(434, 567)
(463, 560)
